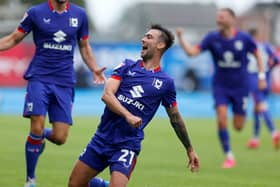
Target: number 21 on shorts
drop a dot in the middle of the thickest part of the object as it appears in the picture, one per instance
(127, 157)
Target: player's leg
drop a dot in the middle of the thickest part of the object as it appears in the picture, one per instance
(263, 110)
(118, 179)
(122, 164)
(58, 134)
(35, 108)
(254, 142)
(33, 147)
(239, 106)
(239, 100)
(221, 103)
(239, 121)
(59, 114)
(81, 175)
(224, 137)
(84, 172)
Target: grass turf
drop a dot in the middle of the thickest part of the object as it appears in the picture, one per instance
(162, 162)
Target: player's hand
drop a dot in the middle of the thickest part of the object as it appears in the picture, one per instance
(262, 84)
(134, 121)
(193, 160)
(98, 76)
(179, 32)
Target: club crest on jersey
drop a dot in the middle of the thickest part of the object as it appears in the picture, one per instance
(73, 22)
(238, 45)
(157, 83)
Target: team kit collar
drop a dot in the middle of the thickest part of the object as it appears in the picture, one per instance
(155, 70)
(53, 10)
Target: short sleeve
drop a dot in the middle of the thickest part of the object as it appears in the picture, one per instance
(26, 24)
(119, 71)
(251, 44)
(205, 43)
(169, 99)
(83, 30)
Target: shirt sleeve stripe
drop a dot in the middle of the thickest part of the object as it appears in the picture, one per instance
(85, 37)
(20, 29)
(116, 77)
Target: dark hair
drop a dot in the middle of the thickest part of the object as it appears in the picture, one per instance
(230, 11)
(166, 35)
(253, 32)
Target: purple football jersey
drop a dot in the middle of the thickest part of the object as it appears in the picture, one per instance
(55, 36)
(141, 92)
(230, 58)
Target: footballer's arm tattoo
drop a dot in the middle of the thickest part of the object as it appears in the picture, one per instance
(179, 127)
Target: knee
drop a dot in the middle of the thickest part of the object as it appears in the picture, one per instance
(37, 129)
(74, 183)
(222, 124)
(238, 126)
(59, 139)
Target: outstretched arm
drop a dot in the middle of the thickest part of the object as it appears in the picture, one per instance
(180, 129)
(189, 50)
(89, 59)
(11, 40)
(109, 98)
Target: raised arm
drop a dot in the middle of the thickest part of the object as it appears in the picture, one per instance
(11, 40)
(180, 129)
(189, 50)
(109, 98)
(89, 59)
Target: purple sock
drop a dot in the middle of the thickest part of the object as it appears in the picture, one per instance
(256, 124)
(224, 139)
(32, 152)
(268, 121)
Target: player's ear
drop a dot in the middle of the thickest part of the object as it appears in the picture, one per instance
(161, 45)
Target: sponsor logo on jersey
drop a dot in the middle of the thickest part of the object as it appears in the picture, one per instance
(130, 101)
(59, 37)
(136, 91)
(229, 61)
(73, 22)
(157, 83)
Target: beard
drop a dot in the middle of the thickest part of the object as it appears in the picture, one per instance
(148, 55)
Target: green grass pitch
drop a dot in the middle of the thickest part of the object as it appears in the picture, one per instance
(162, 162)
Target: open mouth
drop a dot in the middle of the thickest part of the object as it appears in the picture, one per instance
(144, 47)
